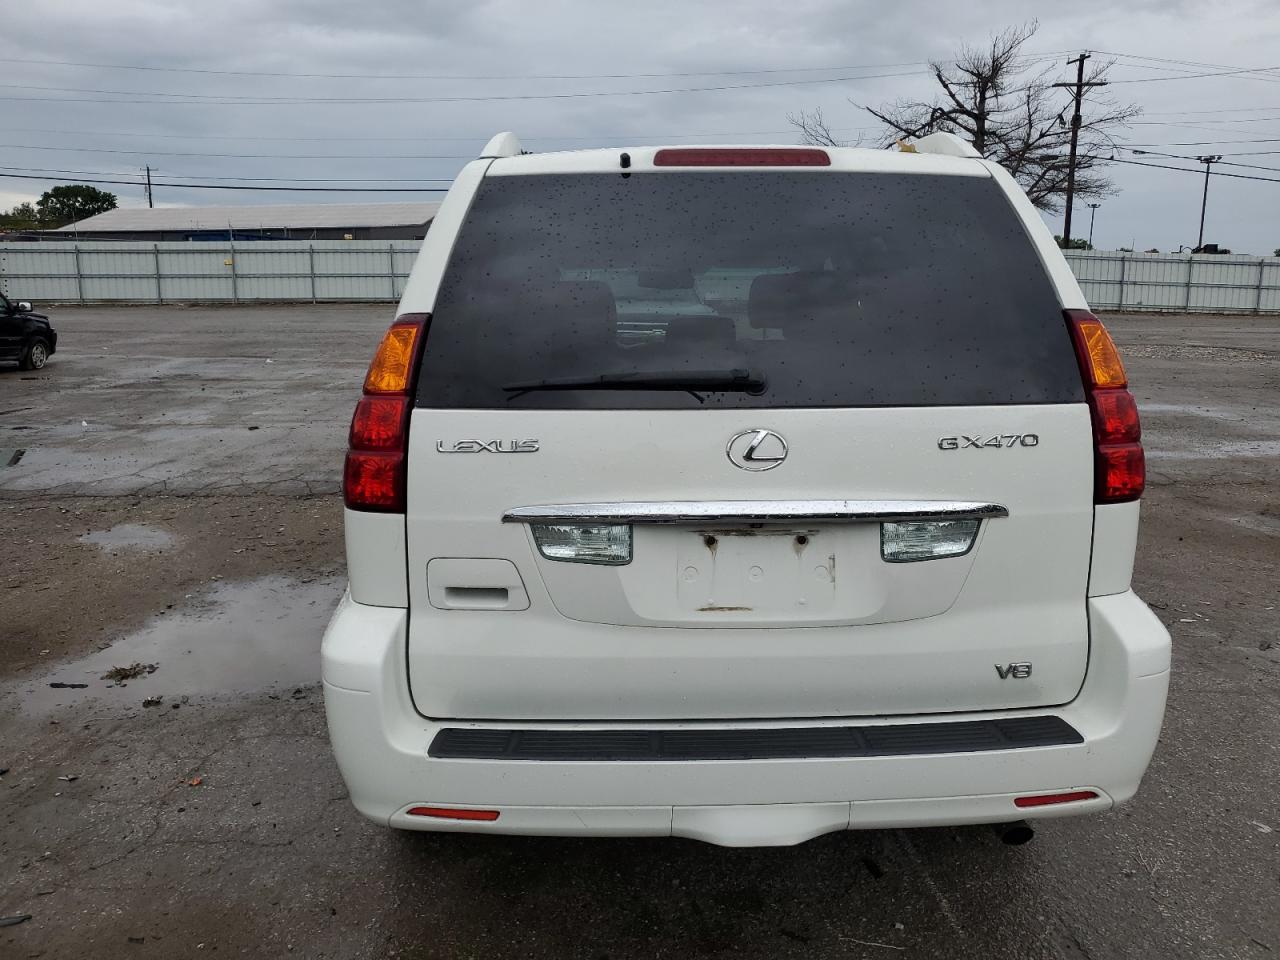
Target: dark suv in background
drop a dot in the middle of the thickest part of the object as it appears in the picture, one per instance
(25, 336)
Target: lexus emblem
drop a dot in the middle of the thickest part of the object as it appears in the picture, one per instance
(757, 450)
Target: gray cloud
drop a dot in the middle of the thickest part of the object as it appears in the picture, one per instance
(501, 37)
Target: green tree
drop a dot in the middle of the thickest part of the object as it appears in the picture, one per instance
(1076, 243)
(76, 201)
(22, 217)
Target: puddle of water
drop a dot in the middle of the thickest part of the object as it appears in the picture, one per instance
(243, 637)
(130, 536)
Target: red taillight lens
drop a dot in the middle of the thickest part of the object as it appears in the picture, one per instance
(741, 157)
(374, 481)
(1115, 417)
(1045, 799)
(373, 477)
(1121, 472)
(379, 423)
(1119, 462)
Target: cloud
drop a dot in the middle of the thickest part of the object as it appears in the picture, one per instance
(556, 37)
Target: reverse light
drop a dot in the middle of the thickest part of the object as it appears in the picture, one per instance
(1047, 799)
(373, 478)
(915, 540)
(741, 157)
(584, 543)
(1119, 461)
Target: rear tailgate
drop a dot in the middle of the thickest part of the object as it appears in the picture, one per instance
(827, 629)
(915, 354)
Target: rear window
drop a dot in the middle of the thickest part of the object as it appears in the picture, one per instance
(828, 289)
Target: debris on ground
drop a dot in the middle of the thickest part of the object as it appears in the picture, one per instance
(195, 781)
(59, 685)
(69, 777)
(131, 672)
(14, 921)
(153, 702)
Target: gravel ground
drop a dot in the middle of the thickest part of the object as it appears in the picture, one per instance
(175, 505)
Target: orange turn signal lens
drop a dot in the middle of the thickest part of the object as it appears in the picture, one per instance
(392, 367)
(1097, 350)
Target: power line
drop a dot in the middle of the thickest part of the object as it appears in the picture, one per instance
(244, 156)
(509, 76)
(231, 186)
(108, 173)
(1206, 143)
(1165, 166)
(1197, 76)
(474, 138)
(1183, 156)
(1263, 71)
(189, 99)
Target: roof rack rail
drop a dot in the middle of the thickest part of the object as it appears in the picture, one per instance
(945, 144)
(505, 144)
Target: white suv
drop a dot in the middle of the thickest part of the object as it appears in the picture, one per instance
(743, 494)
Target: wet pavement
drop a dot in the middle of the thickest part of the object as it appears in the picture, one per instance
(236, 638)
(147, 523)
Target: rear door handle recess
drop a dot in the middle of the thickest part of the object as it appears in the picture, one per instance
(471, 583)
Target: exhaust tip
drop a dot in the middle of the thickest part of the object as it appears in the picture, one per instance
(1014, 834)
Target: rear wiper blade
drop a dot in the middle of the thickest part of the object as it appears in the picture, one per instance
(710, 381)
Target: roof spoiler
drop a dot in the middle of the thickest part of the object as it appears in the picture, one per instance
(505, 144)
(944, 144)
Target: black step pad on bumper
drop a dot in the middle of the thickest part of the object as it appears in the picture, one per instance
(770, 743)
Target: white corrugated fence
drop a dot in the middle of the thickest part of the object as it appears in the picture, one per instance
(376, 270)
(221, 272)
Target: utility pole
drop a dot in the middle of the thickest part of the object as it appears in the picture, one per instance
(1078, 89)
(1093, 212)
(149, 203)
(1208, 162)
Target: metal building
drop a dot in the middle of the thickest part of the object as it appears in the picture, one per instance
(329, 221)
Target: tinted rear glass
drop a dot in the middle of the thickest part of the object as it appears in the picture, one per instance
(837, 289)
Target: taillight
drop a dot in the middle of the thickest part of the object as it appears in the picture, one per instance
(741, 157)
(1119, 462)
(373, 478)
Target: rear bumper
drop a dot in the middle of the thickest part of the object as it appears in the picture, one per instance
(381, 745)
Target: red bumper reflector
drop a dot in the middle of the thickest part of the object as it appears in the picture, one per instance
(1045, 799)
(451, 813)
(741, 157)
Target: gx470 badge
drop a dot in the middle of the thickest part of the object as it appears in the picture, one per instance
(1002, 440)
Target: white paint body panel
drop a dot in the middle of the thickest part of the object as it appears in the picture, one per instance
(1115, 543)
(376, 563)
(381, 742)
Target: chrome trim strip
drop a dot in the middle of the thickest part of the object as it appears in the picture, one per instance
(756, 511)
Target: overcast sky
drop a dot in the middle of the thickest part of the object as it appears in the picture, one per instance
(526, 49)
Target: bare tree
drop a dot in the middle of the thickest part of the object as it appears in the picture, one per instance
(996, 99)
